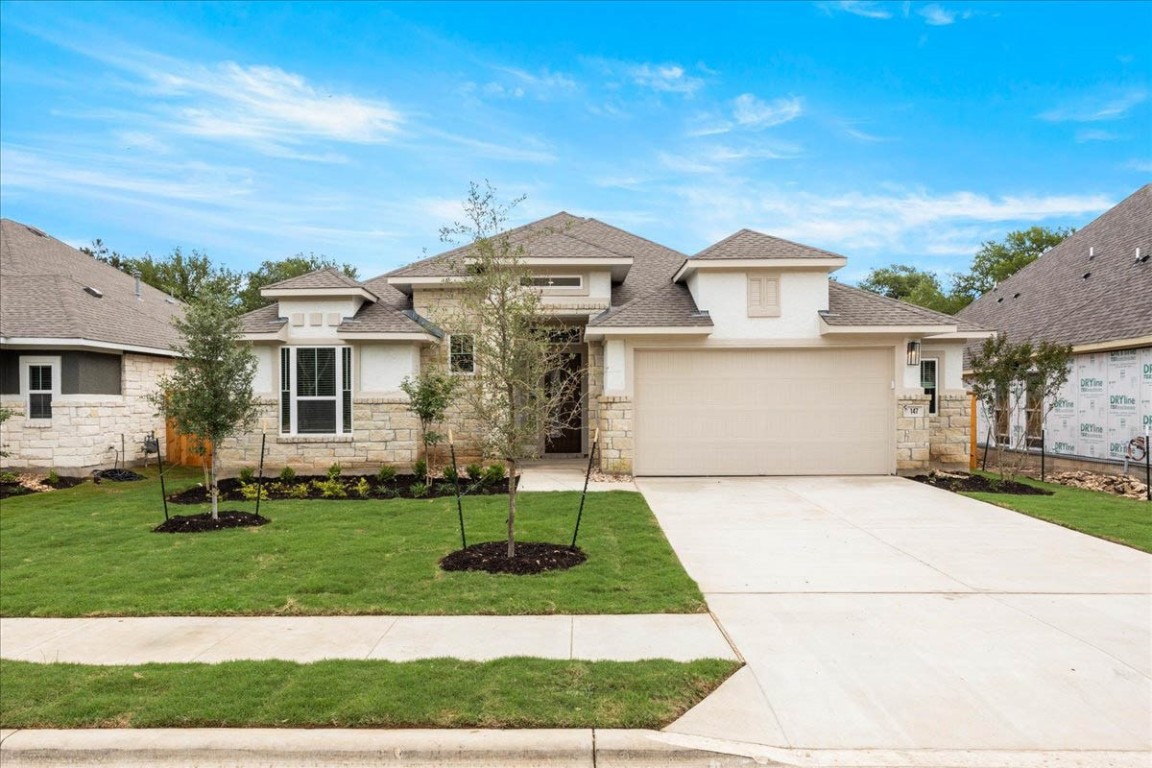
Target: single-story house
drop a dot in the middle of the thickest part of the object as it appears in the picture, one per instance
(1094, 292)
(81, 347)
(745, 359)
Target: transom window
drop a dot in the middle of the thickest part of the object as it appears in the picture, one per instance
(461, 354)
(316, 390)
(555, 281)
(929, 380)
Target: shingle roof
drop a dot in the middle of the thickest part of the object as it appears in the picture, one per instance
(670, 306)
(329, 277)
(749, 244)
(42, 295)
(264, 320)
(1065, 297)
(849, 306)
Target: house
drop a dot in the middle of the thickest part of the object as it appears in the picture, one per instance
(1094, 292)
(745, 359)
(81, 347)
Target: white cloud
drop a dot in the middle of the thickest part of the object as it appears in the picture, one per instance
(1143, 166)
(865, 8)
(937, 16)
(1097, 108)
(752, 112)
(1090, 134)
(662, 78)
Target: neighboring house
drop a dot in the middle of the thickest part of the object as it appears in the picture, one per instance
(745, 359)
(1093, 291)
(81, 346)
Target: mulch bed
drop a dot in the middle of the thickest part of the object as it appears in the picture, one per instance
(399, 487)
(27, 483)
(200, 523)
(116, 476)
(531, 557)
(979, 484)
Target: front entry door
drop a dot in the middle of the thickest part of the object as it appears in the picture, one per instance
(569, 440)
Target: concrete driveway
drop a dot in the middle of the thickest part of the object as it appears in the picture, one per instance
(879, 613)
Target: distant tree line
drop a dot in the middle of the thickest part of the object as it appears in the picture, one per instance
(192, 276)
(995, 262)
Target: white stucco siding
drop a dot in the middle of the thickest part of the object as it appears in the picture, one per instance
(319, 318)
(615, 367)
(383, 366)
(266, 360)
(725, 296)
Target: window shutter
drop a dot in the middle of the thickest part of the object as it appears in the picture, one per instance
(285, 390)
(763, 296)
(346, 389)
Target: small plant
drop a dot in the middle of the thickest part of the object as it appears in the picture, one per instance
(299, 491)
(445, 489)
(9, 477)
(287, 475)
(334, 471)
(246, 475)
(475, 472)
(53, 478)
(331, 488)
(252, 491)
(420, 468)
(384, 492)
(418, 490)
(494, 475)
(362, 488)
(386, 474)
(450, 474)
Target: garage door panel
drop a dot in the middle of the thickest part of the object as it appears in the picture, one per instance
(751, 412)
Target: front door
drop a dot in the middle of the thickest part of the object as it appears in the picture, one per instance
(569, 439)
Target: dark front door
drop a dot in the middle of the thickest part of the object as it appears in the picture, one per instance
(569, 439)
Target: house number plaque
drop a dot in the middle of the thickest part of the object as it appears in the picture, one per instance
(914, 411)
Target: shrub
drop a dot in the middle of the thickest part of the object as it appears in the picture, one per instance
(418, 490)
(385, 492)
(287, 475)
(252, 491)
(475, 472)
(362, 488)
(450, 474)
(246, 475)
(445, 489)
(334, 471)
(53, 478)
(494, 474)
(420, 468)
(386, 474)
(331, 488)
(9, 477)
(299, 491)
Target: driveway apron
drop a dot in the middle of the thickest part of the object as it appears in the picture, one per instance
(879, 613)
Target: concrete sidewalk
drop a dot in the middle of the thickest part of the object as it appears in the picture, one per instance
(680, 637)
(565, 475)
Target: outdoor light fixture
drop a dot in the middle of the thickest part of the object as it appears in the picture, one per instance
(913, 353)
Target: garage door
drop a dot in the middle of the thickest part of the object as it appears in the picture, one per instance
(764, 412)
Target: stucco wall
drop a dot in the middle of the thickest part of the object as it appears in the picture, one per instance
(86, 431)
(725, 296)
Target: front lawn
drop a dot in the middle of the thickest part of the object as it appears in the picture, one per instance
(436, 693)
(90, 551)
(1115, 518)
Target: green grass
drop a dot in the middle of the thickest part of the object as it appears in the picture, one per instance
(89, 551)
(506, 693)
(1115, 518)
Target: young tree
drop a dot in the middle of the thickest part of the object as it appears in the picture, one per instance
(913, 285)
(184, 277)
(429, 394)
(274, 271)
(209, 395)
(1017, 383)
(514, 382)
(996, 261)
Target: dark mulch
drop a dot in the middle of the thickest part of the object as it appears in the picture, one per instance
(65, 482)
(7, 490)
(199, 523)
(980, 484)
(399, 487)
(531, 557)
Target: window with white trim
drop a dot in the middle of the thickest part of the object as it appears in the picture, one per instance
(555, 281)
(929, 380)
(40, 377)
(461, 354)
(316, 390)
(763, 296)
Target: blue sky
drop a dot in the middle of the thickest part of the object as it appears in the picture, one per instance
(891, 132)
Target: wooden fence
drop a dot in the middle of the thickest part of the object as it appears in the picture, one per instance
(181, 449)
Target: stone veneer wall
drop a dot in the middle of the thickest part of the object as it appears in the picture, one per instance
(616, 442)
(384, 432)
(950, 433)
(84, 433)
(912, 436)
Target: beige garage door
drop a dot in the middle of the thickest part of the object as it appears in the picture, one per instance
(764, 412)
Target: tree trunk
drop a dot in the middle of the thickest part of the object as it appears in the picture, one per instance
(215, 485)
(512, 507)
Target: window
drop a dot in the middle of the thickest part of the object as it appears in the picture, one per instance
(39, 391)
(1034, 414)
(315, 396)
(461, 358)
(929, 378)
(555, 281)
(1002, 417)
(763, 296)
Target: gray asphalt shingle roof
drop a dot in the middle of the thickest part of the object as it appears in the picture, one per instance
(669, 306)
(42, 295)
(749, 244)
(1067, 297)
(329, 277)
(850, 306)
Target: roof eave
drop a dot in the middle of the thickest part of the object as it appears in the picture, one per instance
(320, 293)
(596, 331)
(416, 338)
(47, 342)
(829, 264)
(922, 331)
